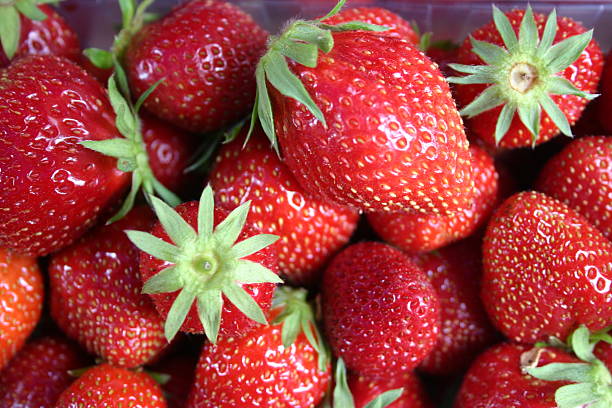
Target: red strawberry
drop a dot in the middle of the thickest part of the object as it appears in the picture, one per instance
(365, 390)
(581, 177)
(181, 370)
(112, 387)
(605, 101)
(53, 188)
(369, 123)
(426, 232)
(96, 299)
(41, 31)
(21, 297)
(504, 98)
(455, 273)
(443, 53)
(39, 373)
(380, 312)
(546, 270)
(208, 50)
(311, 230)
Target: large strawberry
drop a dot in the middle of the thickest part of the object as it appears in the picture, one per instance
(369, 123)
(96, 299)
(546, 270)
(39, 373)
(311, 229)
(581, 177)
(207, 51)
(53, 188)
(206, 269)
(553, 66)
(381, 314)
(29, 27)
(282, 365)
(21, 297)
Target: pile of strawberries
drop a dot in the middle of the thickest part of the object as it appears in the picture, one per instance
(342, 215)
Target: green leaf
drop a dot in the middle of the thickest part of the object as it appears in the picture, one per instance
(528, 33)
(489, 53)
(128, 203)
(385, 399)
(125, 121)
(504, 121)
(530, 115)
(560, 86)
(146, 94)
(572, 372)
(252, 272)
(575, 395)
(163, 192)
(117, 147)
(472, 79)
(490, 98)
(128, 8)
(333, 11)
(425, 41)
(121, 78)
(291, 328)
(565, 53)
(100, 58)
(154, 246)
(203, 156)
(167, 281)
(355, 26)
(302, 53)
(245, 303)
(263, 104)
(505, 29)
(178, 312)
(179, 231)
(210, 307)
(342, 394)
(252, 245)
(10, 30)
(581, 345)
(473, 69)
(229, 229)
(555, 114)
(29, 9)
(206, 213)
(233, 132)
(160, 378)
(312, 34)
(548, 36)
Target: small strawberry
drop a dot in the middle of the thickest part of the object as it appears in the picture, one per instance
(546, 270)
(413, 232)
(380, 312)
(581, 177)
(112, 387)
(311, 229)
(281, 365)
(29, 27)
(39, 373)
(553, 65)
(207, 51)
(53, 188)
(21, 298)
(198, 258)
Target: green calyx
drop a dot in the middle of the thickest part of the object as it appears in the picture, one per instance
(524, 74)
(10, 21)
(300, 42)
(592, 382)
(206, 264)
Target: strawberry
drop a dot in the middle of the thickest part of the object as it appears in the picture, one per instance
(181, 370)
(207, 51)
(21, 298)
(414, 232)
(365, 390)
(96, 299)
(553, 66)
(370, 123)
(39, 373)
(380, 312)
(33, 28)
(199, 257)
(546, 270)
(273, 365)
(455, 273)
(581, 177)
(311, 229)
(605, 101)
(57, 187)
(112, 387)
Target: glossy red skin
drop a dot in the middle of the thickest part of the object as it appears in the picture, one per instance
(112, 387)
(605, 100)
(381, 314)
(398, 27)
(581, 177)
(96, 299)
(455, 272)
(181, 369)
(584, 74)
(425, 232)
(257, 371)
(394, 139)
(21, 299)
(565, 269)
(311, 229)
(52, 36)
(365, 390)
(39, 373)
(53, 188)
(233, 321)
(208, 49)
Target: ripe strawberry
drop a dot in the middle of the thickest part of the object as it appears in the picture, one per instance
(370, 123)
(274, 365)
(96, 299)
(204, 255)
(455, 273)
(181, 370)
(38, 30)
(553, 66)
(425, 232)
(39, 373)
(53, 188)
(208, 50)
(311, 229)
(581, 177)
(565, 267)
(21, 298)
(112, 387)
(605, 101)
(380, 312)
(365, 390)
